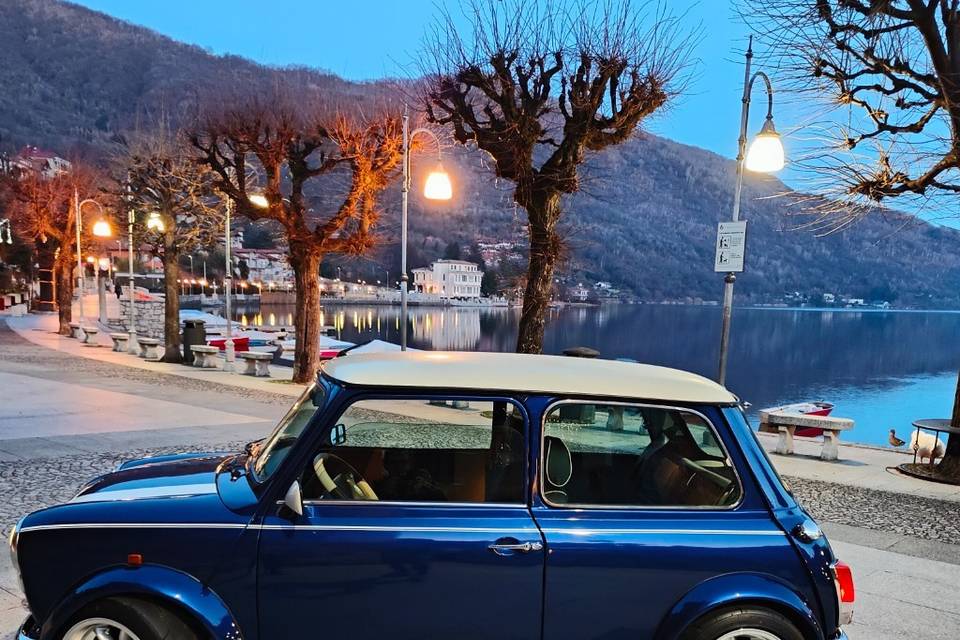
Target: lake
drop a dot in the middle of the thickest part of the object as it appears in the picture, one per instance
(881, 368)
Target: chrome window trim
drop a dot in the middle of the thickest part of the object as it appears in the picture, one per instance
(412, 503)
(625, 507)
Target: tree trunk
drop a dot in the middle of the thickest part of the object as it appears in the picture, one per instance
(63, 270)
(171, 305)
(949, 467)
(543, 213)
(306, 268)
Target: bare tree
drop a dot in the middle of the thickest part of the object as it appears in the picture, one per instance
(161, 177)
(541, 87)
(894, 66)
(290, 146)
(42, 208)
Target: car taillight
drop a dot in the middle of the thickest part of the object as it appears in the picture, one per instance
(846, 594)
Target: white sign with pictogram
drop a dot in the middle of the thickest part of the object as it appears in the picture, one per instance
(731, 242)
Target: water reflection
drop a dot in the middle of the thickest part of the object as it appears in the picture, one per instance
(864, 360)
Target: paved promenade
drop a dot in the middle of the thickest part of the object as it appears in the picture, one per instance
(899, 534)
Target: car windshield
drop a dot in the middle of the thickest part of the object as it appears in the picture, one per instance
(269, 454)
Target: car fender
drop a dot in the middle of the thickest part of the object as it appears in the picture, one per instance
(162, 584)
(737, 589)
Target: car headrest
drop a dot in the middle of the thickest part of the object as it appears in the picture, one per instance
(559, 465)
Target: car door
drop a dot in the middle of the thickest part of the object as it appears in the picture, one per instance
(639, 505)
(415, 524)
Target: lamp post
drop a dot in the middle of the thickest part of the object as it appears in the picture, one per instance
(101, 228)
(229, 351)
(5, 224)
(437, 187)
(765, 155)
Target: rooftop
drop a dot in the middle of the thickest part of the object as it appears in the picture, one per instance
(528, 373)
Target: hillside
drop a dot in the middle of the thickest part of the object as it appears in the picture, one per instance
(645, 221)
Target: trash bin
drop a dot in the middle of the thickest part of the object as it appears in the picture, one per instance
(194, 334)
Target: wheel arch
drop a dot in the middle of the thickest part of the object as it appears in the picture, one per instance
(199, 606)
(740, 590)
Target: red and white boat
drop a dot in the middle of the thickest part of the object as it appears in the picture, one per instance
(818, 408)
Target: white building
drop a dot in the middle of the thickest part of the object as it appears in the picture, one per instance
(267, 266)
(449, 279)
(46, 163)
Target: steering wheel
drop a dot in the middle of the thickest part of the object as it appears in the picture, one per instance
(346, 485)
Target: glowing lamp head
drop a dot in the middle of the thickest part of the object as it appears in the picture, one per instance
(765, 154)
(90, 259)
(101, 229)
(155, 222)
(437, 186)
(103, 263)
(258, 200)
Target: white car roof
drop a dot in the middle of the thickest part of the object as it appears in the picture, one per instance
(559, 375)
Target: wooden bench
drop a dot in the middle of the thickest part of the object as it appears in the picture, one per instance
(120, 341)
(150, 349)
(786, 424)
(90, 336)
(75, 330)
(258, 364)
(204, 357)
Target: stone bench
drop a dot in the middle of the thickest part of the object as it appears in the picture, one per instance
(786, 424)
(90, 336)
(120, 341)
(204, 357)
(75, 331)
(150, 349)
(258, 364)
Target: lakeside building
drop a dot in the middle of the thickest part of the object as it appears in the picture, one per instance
(47, 163)
(265, 265)
(449, 279)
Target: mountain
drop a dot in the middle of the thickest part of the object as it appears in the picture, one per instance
(645, 220)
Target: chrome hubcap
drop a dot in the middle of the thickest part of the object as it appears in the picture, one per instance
(99, 629)
(749, 634)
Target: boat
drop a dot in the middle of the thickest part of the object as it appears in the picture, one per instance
(817, 408)
(329, 347)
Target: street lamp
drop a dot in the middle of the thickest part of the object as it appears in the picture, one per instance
(155, 222)
(101, 228)
(437, 187)
(764, 155)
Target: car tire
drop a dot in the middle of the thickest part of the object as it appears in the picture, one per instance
(743, 623)
(137, 619)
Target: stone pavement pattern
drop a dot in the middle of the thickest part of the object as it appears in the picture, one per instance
(906, 574)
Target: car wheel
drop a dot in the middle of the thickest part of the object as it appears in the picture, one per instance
(126, 619)
(743, 623)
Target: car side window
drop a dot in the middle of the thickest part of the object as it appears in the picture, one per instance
(598, 454)
(421, 450)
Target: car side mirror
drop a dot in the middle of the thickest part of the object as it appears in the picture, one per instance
(294, 499)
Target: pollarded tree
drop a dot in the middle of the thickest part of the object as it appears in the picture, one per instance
(893, 66)
(542, 86)
(178, 210)
(43, 208)
(322, 174)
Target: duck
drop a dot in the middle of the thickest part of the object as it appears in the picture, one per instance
(894, 440)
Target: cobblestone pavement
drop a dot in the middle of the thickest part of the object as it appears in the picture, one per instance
(925, 518)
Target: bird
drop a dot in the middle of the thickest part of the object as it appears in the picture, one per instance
(894, 440)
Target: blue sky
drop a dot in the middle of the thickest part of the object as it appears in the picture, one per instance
(368, 39)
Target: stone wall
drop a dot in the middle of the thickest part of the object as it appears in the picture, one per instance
(148, 314)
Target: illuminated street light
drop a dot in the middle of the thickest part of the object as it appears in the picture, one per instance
(765, 155)
(258, 200)
(155, 222)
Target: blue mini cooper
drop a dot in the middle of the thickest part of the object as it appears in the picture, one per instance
(449, 495)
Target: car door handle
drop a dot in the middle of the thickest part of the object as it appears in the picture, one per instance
(508, 548)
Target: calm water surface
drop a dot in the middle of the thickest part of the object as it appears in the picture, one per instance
(883, 369)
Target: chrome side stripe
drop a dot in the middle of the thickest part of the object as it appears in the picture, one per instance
(397, 529)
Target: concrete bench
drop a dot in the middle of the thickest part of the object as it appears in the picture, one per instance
(150, 349)
(204, 357)
(90, 336)
(120, 341)
(786, 424)
(258, 364)
(75, 331)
